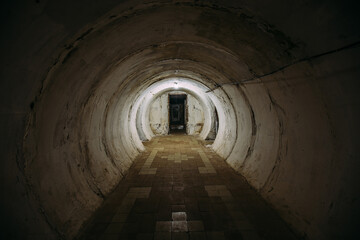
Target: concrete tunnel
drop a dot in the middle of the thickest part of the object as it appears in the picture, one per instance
(78, 79)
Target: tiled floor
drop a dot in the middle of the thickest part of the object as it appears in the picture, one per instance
(180, 189)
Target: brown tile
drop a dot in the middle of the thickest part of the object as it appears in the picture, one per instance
(114, 228)
(147, 223)
(163, 226)
(109, 237)
(178, 208)
(179, 236)
(180, 188)
(204, 206)
(250, 235)
(98, 228)
(144, 236)
(119, 217)
(231, 207)
(233, 234)
(179, 226)
(145, 207)
(130, 227)
(244, 225)
(162, 236)
(86, 236)
(219, 208)
(215, 235)
(179, 216)
(195, 226)
(194, 215)
(212, 222)
(197, 236)
(133, 217)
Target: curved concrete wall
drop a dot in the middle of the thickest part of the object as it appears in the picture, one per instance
(194, 115)
(71, 78)
(142, 106)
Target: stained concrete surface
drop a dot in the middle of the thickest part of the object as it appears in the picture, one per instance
(180, 189)
(283, 77)
(194, 113)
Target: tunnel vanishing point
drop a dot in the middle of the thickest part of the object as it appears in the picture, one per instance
(84, 84)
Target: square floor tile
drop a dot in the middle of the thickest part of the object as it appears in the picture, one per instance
(144, 236)
(179, 236)
(163, 226)
(215, 235)
(180, 203)
(179, 226)
(114, 228)
(162, 236)
(178, 208)
(109, 237)
(195, 226)
(119, 217)
(179, 216)
(197, 236)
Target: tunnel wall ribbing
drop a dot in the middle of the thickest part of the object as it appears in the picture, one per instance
(296, 137)
(313, 159)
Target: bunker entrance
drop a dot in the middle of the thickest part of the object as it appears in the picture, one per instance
(177, 113)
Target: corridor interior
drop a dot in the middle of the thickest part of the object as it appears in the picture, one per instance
(91, 90)
(179, 188)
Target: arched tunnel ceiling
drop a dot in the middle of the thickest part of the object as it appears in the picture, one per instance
(73, 71)
(166, 86)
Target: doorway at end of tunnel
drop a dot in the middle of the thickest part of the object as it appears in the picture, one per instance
(177, 113)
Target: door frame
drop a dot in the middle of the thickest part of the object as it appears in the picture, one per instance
(185, 109)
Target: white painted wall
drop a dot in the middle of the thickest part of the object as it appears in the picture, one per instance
(196, 118)
(159, 115)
